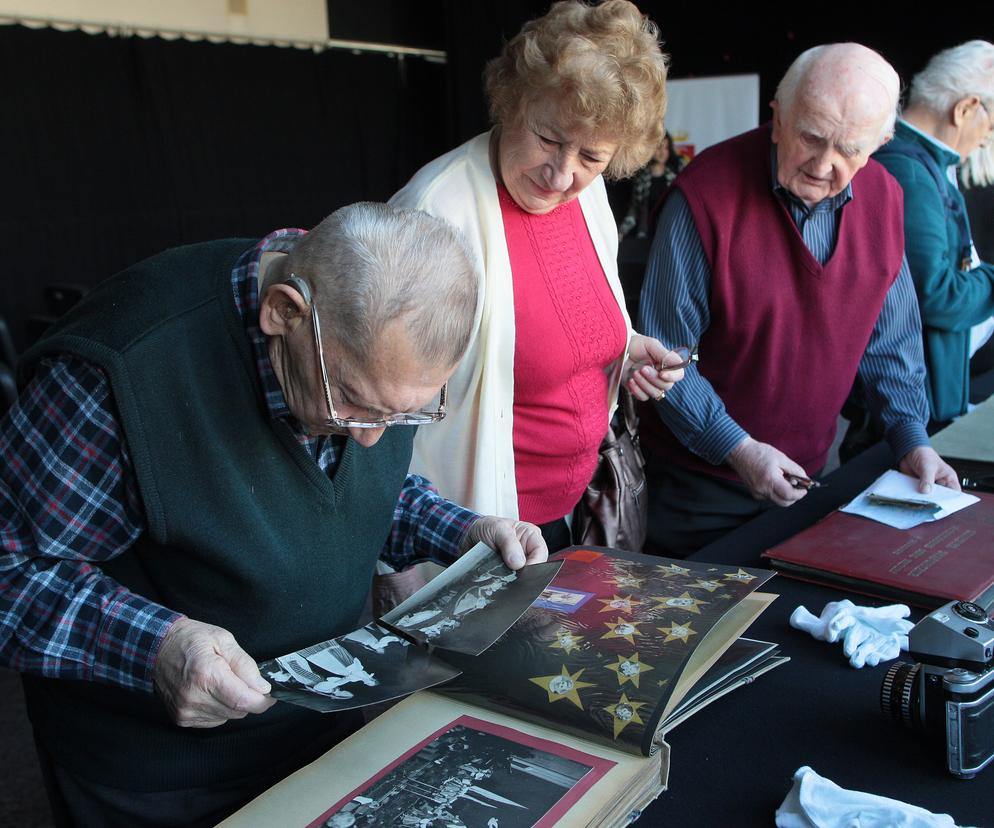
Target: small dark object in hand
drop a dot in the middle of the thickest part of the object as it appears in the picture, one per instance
(799, 482)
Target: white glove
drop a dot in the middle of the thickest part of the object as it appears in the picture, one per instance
(817, 802)
(869, 634)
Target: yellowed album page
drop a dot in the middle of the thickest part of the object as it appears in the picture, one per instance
(732, 624)
(310, 792)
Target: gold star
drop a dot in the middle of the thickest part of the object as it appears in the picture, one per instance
(626, 581)
(619, 604)
(672, 569)
(683, 602)
(563, 686)
(710, 586)
(677, 632)
(624, 713)
(629, 669)
(741, 576)
(622, 628)
(566, 640)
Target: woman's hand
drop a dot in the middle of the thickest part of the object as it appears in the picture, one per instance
(642, 374)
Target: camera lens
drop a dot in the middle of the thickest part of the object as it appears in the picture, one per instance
(899, 694)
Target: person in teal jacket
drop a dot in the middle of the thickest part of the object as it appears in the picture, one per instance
(950, 113)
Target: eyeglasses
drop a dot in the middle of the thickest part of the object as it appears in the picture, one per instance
(686, 353)
(412, 418)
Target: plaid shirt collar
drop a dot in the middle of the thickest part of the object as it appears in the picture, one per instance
(245, 285)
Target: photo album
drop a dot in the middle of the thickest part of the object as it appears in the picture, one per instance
(552, 689)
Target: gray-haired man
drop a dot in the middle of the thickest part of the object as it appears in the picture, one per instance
(182, 499)
(948, 117)
(781, 251)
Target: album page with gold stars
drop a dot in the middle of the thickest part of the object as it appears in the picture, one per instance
(603, 651)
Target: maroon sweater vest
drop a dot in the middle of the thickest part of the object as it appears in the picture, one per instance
(786, 333)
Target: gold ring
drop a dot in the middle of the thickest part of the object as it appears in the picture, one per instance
(661, 397)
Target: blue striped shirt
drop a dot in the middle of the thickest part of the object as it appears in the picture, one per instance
(674, 307)
(69, 500)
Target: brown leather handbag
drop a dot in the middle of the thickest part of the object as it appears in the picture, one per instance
(614, 509)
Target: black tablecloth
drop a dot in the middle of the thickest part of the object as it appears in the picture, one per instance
(732, 763)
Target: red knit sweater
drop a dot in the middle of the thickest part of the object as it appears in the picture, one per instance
(568, 329)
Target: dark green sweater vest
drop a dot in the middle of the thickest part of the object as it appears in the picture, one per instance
(243, 529)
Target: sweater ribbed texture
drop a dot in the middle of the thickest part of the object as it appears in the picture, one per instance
(568, 330)
(244, 530)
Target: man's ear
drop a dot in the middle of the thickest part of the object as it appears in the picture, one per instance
(777, 126)
(963, 109)
(281, 309)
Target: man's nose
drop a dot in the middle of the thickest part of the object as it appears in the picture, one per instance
(821, 164)
(366, 436)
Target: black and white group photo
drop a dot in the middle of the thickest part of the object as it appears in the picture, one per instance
(368, 666)
(465, 777)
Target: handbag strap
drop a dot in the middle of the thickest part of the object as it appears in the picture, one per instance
(629, 419)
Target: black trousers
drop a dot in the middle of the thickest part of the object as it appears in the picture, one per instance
(78, 802)
(689, 510)
(556, 534)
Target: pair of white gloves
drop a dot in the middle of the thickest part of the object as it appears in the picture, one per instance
(869, 635)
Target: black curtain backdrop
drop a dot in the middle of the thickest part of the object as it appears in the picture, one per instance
(706, 39)
(117, 148)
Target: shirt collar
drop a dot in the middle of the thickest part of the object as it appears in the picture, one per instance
(245, 285)
(833, 203)
(947, 150)
(941, 151)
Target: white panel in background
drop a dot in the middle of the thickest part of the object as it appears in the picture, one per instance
(279, 19)
(705, 111)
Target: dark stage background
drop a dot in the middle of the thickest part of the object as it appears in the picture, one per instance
(116, 148)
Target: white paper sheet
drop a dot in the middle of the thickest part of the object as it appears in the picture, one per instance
(894, 484)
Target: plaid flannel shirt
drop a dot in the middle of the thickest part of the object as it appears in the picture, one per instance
(69, 500)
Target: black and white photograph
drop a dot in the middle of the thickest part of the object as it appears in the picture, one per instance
(472, 603)
(472, 774)
(368, 666)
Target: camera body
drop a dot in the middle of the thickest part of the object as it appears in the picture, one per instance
(949, 694)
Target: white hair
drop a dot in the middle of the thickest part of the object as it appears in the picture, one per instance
(370, 264)
(978, 169)
(954, 74)
(818, 67)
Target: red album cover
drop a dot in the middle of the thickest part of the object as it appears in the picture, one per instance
(928, 565)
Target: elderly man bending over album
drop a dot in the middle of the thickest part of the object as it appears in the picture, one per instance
(200, 474)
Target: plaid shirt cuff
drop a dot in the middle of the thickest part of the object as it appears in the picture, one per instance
(132, 631)
(426, 526)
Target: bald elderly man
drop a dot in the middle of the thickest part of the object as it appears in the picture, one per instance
(781, 252)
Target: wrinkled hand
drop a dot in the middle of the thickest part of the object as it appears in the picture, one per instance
(762, 467)
(645, 355)
(204, 678)
(518, 543)
(924, 463)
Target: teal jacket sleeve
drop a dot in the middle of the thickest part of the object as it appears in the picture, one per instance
(950, 299)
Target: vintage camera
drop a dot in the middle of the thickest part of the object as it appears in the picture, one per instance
(950, 694)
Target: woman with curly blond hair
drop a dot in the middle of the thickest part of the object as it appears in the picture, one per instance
(578, 95)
